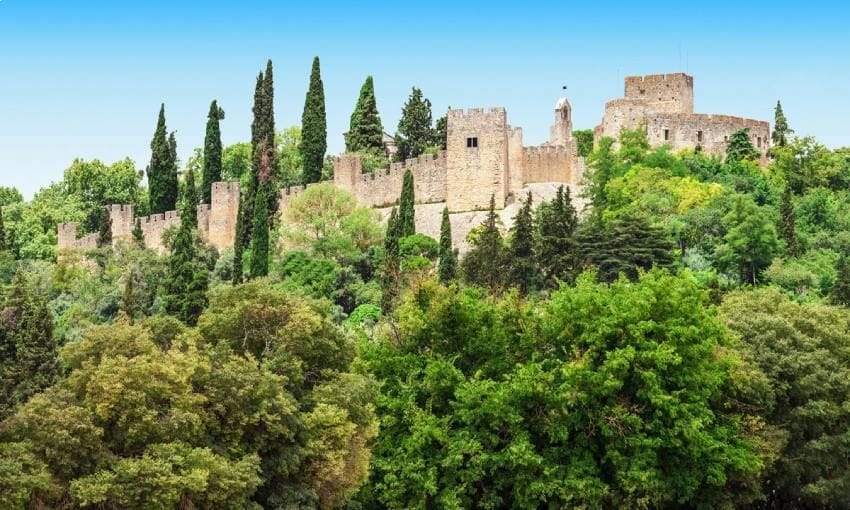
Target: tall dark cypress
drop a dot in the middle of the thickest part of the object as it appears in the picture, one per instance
(268, 144)
(138, 234)
(448, 258)
(128, 300)
(189, 212)
(259, 263)
(406, 209)
(159, 169)
(314, 129)
(2, 232)
(239, 243)
(840, 293)
(104, 232)
(187, 279)
(787, 222)
(391, 277)
(365, 132)
(172, 183)
(257, 135)
(212, 151)
(555, 245)
(521, 249)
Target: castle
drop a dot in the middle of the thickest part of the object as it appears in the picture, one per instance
(484, 157)
(664, 104)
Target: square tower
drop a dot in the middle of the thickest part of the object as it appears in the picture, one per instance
(668, 93)
(476, 159)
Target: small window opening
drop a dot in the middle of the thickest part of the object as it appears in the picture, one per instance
(472, 142)
(666, 134)
(699, 136)
(759, 143)
(725, 138)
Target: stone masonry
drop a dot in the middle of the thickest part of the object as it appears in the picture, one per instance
(664, 105)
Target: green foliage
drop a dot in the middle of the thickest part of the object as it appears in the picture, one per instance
(186, 282)
(391, 271)
(314, 140)
(98, 185)
(626, 246)
(602, 397)
(840, 292)
(520, 251)
(236, 163)
(212, 171)
(162, 170)
(138, 234)
(22, 475)
(740, 148)
(483, 264)
(414, 133)
(9, 196)
(406, 205)
(448, 257)
(2, 231)
(189, 202)
(555, 243)
(803, 356)
(584, 138)
(780, 127)
(750, 242)
(259, 262)
(787, 223)
(441, 132)
(365, 132)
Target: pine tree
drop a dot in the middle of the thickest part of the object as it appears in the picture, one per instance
(556, 245)
(212, 151)
(740, 147)
(239, 244)
(2, 232)
(482, 265)
(160, 169)
(104, 232)
(189, 212)
(840, 293)
(448, 258)
(521, 249)
(128, 300)
(138, 234)
(406, 206)
(314, 129)
(391, 277)
(366, 132)
(415, 133)
(441, 132)
(780, 127)
(186, 283)
(787, 223)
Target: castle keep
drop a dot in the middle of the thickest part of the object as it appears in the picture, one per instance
(664, 104)
(485, 156)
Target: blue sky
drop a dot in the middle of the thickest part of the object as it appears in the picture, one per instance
(85, 79)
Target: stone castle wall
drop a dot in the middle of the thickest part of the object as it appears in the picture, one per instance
(664, 105)
(551, 163)
(473, 174)
(383, 187)
(216, 223)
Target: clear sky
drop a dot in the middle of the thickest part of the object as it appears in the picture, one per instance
(85, 78)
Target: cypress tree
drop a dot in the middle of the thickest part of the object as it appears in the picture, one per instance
(787, 222)
(366, 132)
(521, 248)
(104, 232)
(780, 127)
(128, 300)
(482, 265)
(390, 281)
(187, 279)
(34, 366)
(259, 263)
(212, 151)
(257, 135)
(267, 144)
(415, 133)
(448, 258)
(189, 212)
(239, 243)
(407, 211)
(172, 183)
(555, 244)
(138, 234)
(441, 132)
(2, 232)
(314, 129)
(840, 293)
(160, 168)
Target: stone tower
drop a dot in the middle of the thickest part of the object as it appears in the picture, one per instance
(223, 214)
(476, 159)
(668, 93)
(66, 234)
(122, 220)
(562, 129)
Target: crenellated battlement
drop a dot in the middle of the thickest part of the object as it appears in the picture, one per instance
(472, 113)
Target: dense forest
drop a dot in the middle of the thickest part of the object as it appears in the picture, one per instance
(683, 341)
